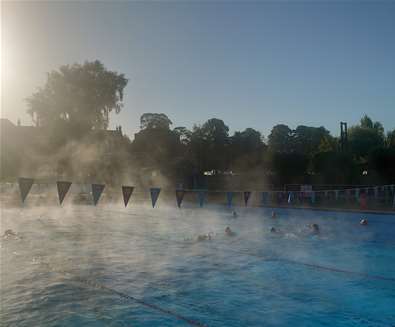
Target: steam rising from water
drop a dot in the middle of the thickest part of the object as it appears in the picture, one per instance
(152, 254)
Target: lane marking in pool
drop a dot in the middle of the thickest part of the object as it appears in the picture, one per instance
(125, 296)
(312, 265)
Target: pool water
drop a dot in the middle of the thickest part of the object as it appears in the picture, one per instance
(108, 266)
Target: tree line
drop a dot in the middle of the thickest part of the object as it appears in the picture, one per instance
(74, 107)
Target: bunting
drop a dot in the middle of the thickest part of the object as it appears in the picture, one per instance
(361, 195)
(179, 196)
(63, 187)
(25, 184)
(97, 190)
(247, 195)
(154, 191)
(127, 192)
(229, 198)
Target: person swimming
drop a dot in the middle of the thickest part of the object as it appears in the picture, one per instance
(229, 232)
(273, 230)
(10, 234)
(234, 214)
(315, 229)
(363, 222)
(204, 237)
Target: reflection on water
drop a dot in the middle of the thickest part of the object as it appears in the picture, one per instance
(90, 266)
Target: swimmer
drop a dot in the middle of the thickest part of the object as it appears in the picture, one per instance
(9, 233)
(234, 214)
(274, 214)
(315, 228)
(273, 230)
(229, 232)
(363, 222)
(204, 237)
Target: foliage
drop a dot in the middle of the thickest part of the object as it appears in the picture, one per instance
(80, 95)
(77, 100)
(155, 121)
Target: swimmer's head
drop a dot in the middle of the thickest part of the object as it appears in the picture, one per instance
(315, 228)
(229, 232)
(364, 221)
(273, 230)
(9, 232)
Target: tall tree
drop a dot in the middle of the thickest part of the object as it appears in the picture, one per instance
(308, 139)
(391, 139)
(209, 145)
(155, 121)
(80, 95)
(281, 139)
(365, 137)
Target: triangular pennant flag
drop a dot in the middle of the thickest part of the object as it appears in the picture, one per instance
(25, 184)
(127, 193)
(246, 197)
(154, 195)
(63, 188)
(97, 190)
(201, 197)
(179, 197)
(229, 198)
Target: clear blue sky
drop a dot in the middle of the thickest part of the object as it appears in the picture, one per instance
(252, 64)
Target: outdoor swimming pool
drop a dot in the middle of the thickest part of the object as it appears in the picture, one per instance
(107, 266)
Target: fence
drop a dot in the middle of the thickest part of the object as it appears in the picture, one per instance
(35, 192)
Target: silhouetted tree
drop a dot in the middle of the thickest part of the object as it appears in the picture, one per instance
(209, 145)
(155, 121)
(307, 140)
(281, 139)
(391, 139)
(80, 95)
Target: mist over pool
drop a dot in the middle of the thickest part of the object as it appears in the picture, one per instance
(108, 266)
